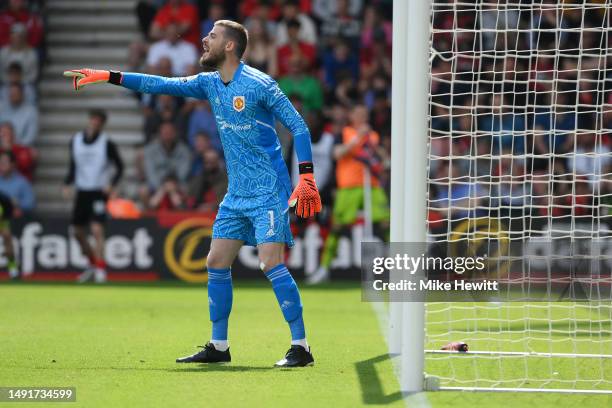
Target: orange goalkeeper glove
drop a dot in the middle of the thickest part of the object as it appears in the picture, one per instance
(87, 76)
(305, 197)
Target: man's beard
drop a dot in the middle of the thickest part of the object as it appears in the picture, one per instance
(213, 62)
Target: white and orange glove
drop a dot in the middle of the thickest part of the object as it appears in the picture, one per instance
(305, 197)
(87, 76)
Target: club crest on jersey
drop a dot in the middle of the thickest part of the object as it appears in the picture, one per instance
(239, 103)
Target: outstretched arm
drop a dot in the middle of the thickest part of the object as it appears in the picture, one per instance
(305, 197)
(193, 86)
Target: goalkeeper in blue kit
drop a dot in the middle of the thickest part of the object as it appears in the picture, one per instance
(254, 211)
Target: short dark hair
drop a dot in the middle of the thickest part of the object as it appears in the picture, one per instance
(167, 122)
(171, 176)
(15, 67)
(293, 23)
(237, 33)
(98, 113)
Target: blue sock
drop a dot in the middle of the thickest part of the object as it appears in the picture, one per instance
(288, 297)
(219, 301)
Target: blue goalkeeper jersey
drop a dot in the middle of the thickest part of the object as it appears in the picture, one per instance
(245, 110)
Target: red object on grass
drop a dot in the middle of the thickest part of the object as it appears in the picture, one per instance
(456, 346)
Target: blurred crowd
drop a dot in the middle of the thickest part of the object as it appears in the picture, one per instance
(21, 56)
(521, 111)
(327, 56)
(521, 101)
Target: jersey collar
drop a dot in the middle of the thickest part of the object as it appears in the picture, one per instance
(238, 71)
(237, 74)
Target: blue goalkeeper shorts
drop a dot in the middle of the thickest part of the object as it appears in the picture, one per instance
(254, 220)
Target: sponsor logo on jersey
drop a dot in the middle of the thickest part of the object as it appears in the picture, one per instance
(239, 103)
(236, 128)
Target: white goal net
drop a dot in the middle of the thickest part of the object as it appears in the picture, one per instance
(520, 149)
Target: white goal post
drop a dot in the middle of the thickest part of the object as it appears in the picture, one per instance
(408, 169)
(501, 124)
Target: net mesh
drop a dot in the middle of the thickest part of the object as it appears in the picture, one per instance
(520, 147)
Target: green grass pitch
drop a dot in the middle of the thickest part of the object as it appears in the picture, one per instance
(117, 344)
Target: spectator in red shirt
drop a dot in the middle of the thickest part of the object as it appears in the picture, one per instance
(295, 47)
(169, 196)
(17, 12)
(25, 157)
(274, 8)
(181, 13)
